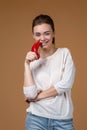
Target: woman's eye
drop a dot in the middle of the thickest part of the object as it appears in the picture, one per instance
(37, 34)
(44, 34)
(47, 34)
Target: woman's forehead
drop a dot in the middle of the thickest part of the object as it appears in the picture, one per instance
(42, 27)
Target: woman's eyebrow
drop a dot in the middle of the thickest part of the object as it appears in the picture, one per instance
(47, 31)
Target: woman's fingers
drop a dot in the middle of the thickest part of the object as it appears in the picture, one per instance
(31, 56)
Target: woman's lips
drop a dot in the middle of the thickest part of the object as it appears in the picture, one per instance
(44, 43)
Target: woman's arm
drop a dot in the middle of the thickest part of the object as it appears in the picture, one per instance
(30, 90)
(68, 74)
(50, 92)
(28, 78)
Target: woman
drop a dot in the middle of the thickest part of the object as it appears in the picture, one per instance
(48, 81)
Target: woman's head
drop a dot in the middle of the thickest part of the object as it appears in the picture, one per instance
(43, 19)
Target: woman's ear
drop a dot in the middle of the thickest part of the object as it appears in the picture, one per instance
(53, 41)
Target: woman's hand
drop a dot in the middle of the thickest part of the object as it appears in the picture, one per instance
(30, 56)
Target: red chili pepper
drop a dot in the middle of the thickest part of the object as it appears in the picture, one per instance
(35, 48)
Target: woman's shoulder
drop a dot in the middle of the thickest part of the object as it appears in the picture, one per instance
(64, 50)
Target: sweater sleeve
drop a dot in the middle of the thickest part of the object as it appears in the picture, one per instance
(30, 91)
(68, 74)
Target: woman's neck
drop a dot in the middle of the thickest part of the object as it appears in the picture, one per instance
(47, 52)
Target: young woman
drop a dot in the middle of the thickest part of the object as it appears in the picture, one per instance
(48, 81)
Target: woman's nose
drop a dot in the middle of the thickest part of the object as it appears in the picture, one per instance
(42, 37)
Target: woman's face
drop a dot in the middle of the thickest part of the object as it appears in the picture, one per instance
(44, 34)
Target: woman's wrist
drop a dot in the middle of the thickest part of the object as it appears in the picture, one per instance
(26, 62)
(40, 96)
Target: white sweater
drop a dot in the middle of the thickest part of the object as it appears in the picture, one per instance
(57, 70)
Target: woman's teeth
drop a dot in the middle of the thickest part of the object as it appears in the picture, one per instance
(44, 43)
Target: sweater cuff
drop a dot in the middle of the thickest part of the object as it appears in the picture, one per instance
(30, 91)
(59, 90)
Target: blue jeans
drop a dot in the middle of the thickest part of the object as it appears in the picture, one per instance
(34, 122)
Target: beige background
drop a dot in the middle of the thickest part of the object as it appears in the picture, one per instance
(16, 16)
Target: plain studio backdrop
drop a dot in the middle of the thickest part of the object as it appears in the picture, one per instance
(70, 17)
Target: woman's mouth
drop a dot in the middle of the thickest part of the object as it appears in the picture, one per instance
(44, 43)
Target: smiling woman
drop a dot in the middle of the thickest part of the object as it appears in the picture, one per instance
(44, 19)
(48, 81)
